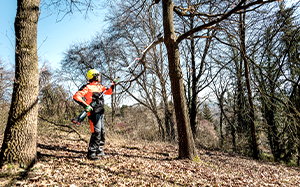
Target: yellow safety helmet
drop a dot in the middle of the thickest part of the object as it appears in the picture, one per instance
(93, 75)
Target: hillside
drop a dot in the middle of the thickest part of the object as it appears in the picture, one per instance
(62, 162)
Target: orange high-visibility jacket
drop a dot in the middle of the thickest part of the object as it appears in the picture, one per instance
(91, 92)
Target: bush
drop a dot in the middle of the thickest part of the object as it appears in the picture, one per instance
(136, 123)
(206, 136)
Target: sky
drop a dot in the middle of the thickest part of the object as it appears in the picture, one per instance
(54, 38)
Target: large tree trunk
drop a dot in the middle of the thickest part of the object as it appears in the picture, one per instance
(19, 144)
(186, 141)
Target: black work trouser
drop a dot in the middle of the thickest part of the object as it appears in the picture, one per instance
(98, 133)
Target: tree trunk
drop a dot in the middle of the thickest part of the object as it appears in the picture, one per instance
(169, 122)
(240, 99)
(243, 53)
(272, 129)
(19, 144)
(193, 106)
(185, 136)
(221, 101)
(113, 109)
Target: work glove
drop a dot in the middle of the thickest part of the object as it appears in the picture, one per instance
(88, 108)
(112, 85)
(116, 80)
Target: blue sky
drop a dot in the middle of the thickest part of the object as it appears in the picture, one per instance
(54, 38)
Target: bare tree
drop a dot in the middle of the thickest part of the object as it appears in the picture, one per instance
(247, 77)
(186, 143)
(145, 83)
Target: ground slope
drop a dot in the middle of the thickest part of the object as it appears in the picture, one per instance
(130, 163)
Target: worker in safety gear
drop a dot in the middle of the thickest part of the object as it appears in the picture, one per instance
(91, 92)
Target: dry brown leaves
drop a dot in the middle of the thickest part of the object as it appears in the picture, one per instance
(63, 163)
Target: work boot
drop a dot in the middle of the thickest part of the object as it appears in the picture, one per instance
(92, 156)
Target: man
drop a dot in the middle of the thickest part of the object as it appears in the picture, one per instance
(91, 92)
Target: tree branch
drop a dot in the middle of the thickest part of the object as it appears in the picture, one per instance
(221, 18)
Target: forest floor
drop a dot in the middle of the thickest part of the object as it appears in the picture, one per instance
(63, 162)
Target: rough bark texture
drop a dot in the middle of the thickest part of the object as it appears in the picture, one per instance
(19, 144)
(185, 137)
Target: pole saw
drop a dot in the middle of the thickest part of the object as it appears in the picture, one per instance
(159, 38)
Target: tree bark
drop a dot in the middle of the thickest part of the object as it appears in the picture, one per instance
(19, 144)
(186, 141)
